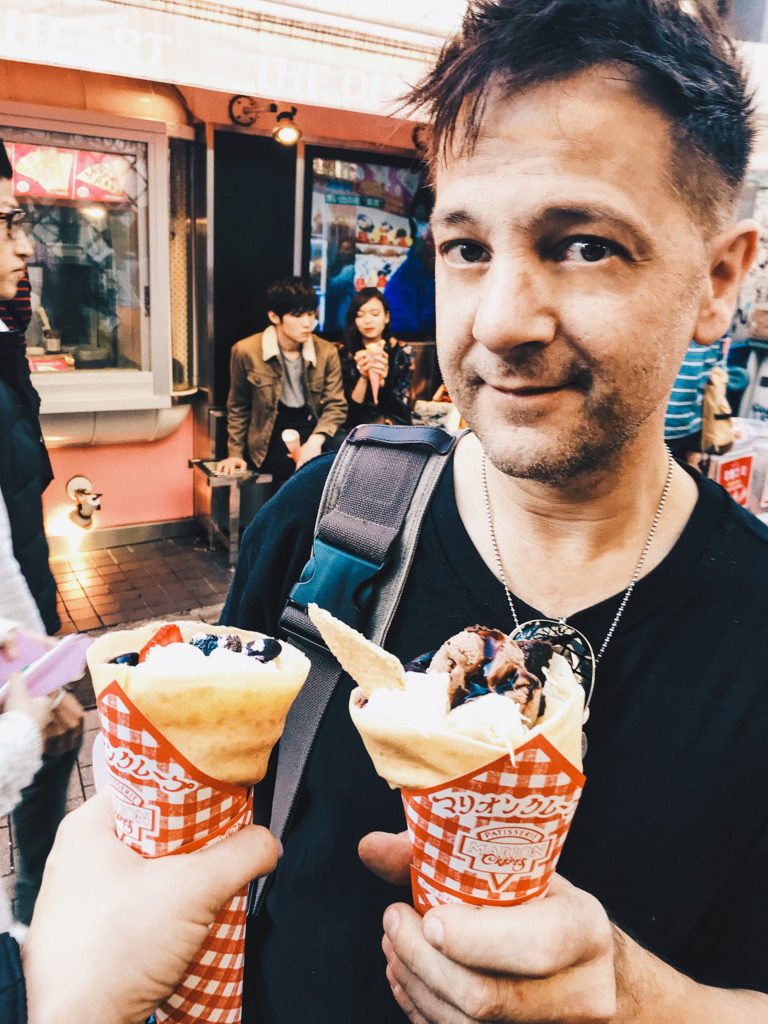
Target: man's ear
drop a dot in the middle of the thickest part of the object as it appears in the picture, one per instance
(274, 318)
(732, 253)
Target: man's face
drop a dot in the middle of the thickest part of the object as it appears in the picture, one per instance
(568, 275)
(14, 252)
(292, 330)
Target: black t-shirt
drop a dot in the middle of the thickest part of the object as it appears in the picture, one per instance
(670, 834)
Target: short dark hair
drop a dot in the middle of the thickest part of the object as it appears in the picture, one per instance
(353, 339)
(294, 295)
(6, 171)
(681, 62)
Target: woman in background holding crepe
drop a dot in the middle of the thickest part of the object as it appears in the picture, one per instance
(377, 368)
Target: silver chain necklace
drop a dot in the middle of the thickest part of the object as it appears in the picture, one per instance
(554, 628)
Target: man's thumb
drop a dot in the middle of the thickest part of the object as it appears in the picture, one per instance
(226, 866)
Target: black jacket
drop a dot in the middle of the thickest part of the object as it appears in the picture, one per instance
(25, 472)
(13, 998)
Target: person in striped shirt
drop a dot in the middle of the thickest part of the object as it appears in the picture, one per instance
(682, 421)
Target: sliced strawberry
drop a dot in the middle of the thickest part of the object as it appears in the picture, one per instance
(168, 634)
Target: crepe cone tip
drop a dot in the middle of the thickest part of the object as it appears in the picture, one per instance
(292, 442)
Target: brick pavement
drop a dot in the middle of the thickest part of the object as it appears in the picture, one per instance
(127, 584)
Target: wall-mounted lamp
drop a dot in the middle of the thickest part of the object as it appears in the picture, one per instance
(243, 110)
(80, 490)
(285, 131)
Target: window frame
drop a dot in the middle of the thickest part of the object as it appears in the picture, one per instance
(116, 389)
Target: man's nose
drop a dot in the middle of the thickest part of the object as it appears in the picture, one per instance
(515, 306)
(23, 245)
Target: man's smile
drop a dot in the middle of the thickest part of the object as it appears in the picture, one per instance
(526, 390)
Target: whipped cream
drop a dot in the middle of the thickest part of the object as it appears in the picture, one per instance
(424, 704)
(183, 659)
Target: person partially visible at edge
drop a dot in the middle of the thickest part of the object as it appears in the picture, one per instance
(682, 421)
(587, 156)
(32, 470)
(283, 378)
(25, 472)
(16, 313)
(370, 348)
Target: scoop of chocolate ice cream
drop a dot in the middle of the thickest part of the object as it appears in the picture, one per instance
(480, 660)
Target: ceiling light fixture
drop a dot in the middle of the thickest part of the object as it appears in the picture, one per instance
(285, 131)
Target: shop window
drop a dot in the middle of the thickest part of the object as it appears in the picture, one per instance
(367, 225)
(86, 204)
(96, 195)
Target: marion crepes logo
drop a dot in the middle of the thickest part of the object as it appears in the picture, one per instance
(493, 836)
(501, 851)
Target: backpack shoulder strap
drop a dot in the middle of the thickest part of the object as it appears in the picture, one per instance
(369, 519)
(366, 531)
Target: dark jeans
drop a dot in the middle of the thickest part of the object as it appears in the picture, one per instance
(35, 821)
(277, 461)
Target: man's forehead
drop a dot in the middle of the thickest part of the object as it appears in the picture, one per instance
(588, 113)
(585, 137)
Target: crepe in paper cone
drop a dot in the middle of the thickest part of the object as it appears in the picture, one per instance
(292, 442)
(373, 376)
(225, 722)
(488, 795)
(182, 749)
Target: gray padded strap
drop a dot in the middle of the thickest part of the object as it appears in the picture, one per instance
(365, 498)
(402, 554)
(355, 465)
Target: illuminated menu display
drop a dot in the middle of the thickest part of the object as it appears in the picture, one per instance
(51, 172)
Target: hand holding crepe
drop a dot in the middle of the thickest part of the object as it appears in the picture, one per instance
(422, 729)
(223, 714)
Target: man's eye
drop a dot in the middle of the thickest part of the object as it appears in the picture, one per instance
(587, 250)
(460, 253)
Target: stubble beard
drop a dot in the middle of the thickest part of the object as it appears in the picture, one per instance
(547, 457)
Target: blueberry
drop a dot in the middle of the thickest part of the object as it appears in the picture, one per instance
(420, 664)
(132, 658)
(206, 642)
(263, 650)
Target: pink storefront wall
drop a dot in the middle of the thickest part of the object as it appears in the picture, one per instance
(140, 483)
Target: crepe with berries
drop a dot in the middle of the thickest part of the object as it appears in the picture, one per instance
(224, 715)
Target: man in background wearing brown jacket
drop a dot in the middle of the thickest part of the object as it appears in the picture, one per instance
(283, 378)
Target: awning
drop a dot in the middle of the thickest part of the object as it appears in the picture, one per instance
(346, 54)
(320, 54)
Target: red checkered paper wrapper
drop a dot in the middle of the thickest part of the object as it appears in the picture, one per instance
(488, 796)
(165, 805)
(494, 835)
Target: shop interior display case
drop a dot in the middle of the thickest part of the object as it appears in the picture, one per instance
(366, 224)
